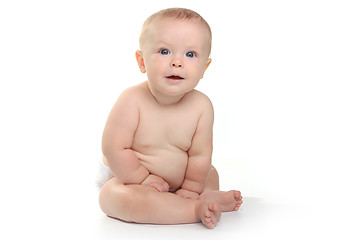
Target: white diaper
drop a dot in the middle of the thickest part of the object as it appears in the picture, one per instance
(103, 175)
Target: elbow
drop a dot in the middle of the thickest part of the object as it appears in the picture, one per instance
(110, 151)
(107, 149)
(111, 146)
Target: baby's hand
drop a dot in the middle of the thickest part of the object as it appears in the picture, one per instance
(156, 182)
(187, 194)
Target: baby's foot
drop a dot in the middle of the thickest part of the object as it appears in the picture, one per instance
(227, 201)
(209, 213)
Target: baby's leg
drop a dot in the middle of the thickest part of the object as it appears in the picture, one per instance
(227, 201)
(212, 181)
(143, 204)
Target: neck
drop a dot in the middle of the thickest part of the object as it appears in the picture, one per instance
(163, 99)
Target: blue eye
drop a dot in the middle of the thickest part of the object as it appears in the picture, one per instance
(190, 54)
(164, 52)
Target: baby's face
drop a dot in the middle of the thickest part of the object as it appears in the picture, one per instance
(176, 54)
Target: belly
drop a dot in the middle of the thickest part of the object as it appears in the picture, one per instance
(169, 164)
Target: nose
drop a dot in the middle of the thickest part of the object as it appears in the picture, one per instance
(177, 63)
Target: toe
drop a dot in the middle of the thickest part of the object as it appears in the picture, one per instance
(208, 222)
(238, 204)
(237, 195)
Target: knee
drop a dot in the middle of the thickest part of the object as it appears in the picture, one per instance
(115, 198)
(125, 202)
(214, 172)
(212, 179)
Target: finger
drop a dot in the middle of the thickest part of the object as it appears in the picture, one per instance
(156, 186)
(166, 187)
(160, 187)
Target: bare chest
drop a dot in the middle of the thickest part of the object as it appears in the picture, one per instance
(165, 129)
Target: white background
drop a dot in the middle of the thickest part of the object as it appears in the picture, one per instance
(284, 82)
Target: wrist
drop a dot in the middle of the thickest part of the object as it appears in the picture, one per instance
(138, 176)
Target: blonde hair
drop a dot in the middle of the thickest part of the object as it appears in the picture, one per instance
(175, 13)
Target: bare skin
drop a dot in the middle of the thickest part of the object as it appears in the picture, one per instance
(227, 201)
(157, 141)
(145, 204)
(153, 200)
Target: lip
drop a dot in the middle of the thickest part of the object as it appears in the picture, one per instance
(174, 77)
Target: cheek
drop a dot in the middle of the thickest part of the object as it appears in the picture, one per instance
(196, 69)
(155, 68)
(157, 63)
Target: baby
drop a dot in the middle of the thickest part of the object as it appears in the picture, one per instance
(157, 142)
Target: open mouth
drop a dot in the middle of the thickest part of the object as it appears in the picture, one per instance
(175, 77)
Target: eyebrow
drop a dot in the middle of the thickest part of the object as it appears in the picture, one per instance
(163, 43)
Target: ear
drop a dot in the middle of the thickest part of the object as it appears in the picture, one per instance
(140, 61)
(207, 65)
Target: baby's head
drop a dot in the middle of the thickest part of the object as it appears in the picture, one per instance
(175, 47)
(179, 14)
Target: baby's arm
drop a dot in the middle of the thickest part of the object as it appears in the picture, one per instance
(199, 162)
(118, 137)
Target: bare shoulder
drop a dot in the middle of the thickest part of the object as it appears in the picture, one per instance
(200, 100)
(127, 105)
(129, 98)
(133, 93)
